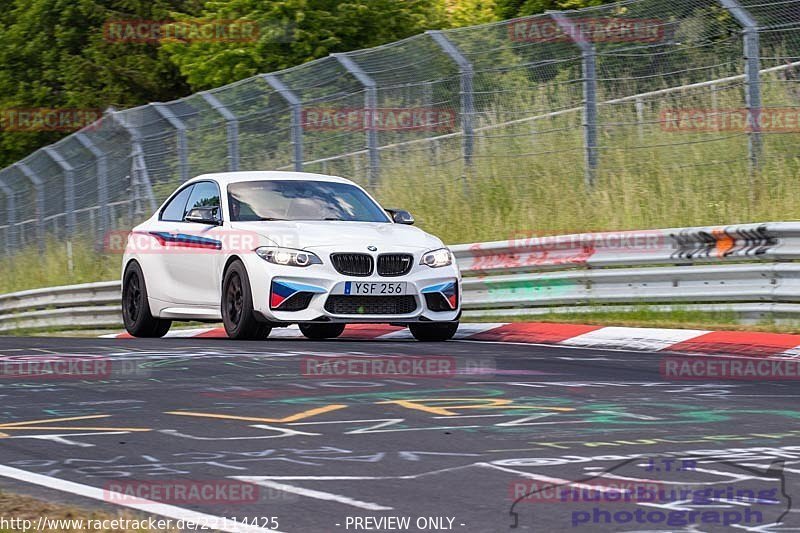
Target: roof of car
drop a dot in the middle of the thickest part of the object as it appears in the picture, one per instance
(224, 178)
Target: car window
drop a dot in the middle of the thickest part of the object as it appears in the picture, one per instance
(301, 200)
(174, 210)
(205, 194)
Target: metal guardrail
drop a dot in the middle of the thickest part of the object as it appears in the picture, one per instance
(71, 306)
(745, 269)
(773, 241)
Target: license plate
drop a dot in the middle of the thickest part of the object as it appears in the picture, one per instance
(374, 288)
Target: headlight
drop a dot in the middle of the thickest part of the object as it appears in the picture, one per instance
(287, 256)
(437, 258)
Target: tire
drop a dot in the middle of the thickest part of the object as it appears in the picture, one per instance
(321, 331)
(237, 306)
(434, 331)
(135, 307)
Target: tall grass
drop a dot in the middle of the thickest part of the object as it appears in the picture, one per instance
(55, 265)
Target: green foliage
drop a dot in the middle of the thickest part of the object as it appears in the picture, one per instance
(298, 31)
(470, 12)
(53, 54)
(507, 9)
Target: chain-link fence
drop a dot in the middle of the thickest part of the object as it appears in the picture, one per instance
(643, 112)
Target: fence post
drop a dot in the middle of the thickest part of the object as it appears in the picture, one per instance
(11, 216)
(69, 186)
(467, 97)
(232, 129)
(639, 103)
(588, 56)
(753, 85)
(183, 147)
(371, 106)
(38, 185)
(714, 98)
(297, 117)
(101, 167)
(137, 156)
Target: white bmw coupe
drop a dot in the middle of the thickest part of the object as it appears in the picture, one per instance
(260, 250)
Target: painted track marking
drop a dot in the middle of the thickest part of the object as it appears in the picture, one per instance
(317, 494)
(290, 418)
(37, 425)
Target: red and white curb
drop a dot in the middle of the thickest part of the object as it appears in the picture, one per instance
(576, 335)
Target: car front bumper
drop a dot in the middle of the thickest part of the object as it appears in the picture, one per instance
(321, 280)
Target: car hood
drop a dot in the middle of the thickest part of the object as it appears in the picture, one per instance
(341, 235)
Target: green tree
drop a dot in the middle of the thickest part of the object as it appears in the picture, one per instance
(297, 31)
(53, 54)
(507, 9)
(470, 12)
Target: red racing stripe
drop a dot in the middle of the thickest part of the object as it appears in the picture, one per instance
(543, 332)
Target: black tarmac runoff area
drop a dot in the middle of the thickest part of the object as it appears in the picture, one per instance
(390, 435)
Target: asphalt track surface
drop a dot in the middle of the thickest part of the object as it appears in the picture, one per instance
(480, 449)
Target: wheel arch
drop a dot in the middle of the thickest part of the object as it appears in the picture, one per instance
(127, 265)
(231, 260)
(138, 263)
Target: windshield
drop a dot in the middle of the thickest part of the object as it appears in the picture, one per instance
(301, 200)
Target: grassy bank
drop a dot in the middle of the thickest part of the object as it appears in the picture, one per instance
(14, 506)
(32, 268)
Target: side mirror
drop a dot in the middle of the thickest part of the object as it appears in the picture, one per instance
(401, 216)
(203, 215)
